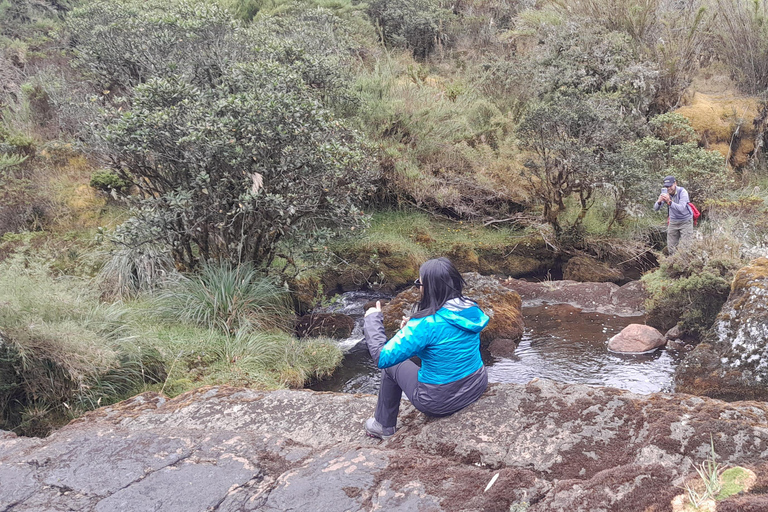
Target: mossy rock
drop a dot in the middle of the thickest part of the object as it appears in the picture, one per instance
(503, 305)
(736, 480)
(731, 366)
(378, 266)
(464, 258)
(306, 289)
(693, 301)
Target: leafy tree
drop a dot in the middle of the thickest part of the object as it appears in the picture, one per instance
(569, 141)
(125, 44)
(229, 172)
(576, 57)
(231, 134)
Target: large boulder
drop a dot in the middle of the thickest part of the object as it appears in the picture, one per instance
(590, 270)
(732, 364)
(555, 447)
(636, 338)
(503, 305)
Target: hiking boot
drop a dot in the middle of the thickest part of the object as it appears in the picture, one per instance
(374, 429)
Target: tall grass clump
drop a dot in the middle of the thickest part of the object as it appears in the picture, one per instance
(709, 487)
(742, 35)
(444, 146)
(133, 269)
(272, 359)
(61, 352)
(228, 298)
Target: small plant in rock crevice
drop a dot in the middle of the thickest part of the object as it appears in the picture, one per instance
(709, 487)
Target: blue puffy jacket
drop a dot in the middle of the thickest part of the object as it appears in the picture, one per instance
(448, 343)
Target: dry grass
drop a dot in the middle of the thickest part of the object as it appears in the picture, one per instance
(724, 123)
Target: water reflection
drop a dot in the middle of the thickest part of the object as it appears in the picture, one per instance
(560, 343)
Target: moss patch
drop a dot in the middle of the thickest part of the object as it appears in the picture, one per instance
(736, 480)
(724, 123)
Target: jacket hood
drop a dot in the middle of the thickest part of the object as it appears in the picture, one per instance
(464, 314)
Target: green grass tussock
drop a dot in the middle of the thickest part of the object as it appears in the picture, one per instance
(228, 298)
(62, 352)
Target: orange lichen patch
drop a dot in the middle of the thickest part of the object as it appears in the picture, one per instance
(718, 116)
(752, 275)
(724, 122)
(85, 204)
(741, 154)
(721, 147)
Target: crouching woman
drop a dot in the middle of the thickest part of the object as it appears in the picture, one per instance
(444, 332)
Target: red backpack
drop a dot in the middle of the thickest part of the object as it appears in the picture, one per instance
(695, 211)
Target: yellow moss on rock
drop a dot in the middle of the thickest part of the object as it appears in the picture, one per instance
(724, 122)
(752, 275)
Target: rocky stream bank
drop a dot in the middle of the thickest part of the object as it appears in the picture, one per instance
(554, 447)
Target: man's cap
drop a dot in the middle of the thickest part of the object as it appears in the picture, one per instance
(669, 180)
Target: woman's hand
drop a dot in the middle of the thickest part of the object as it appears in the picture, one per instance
(404, 321)
(376, 309)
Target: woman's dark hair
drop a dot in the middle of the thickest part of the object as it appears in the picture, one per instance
(440, 283)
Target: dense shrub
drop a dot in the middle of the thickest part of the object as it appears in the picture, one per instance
(673, 150)
(107, 181)
(574, 56)
(414, 24)
(675, 37)
(231, 172)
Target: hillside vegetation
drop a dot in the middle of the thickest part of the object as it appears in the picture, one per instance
(166, 163)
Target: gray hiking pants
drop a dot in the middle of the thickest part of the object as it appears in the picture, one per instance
(679, 232)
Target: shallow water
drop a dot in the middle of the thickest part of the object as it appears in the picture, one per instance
(560, 343)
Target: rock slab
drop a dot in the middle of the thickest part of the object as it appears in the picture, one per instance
(605, 298)
(555, 447)
(636, 339)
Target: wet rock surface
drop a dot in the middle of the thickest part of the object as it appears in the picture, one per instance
(554, 446)
(733, 362)
(605, 298)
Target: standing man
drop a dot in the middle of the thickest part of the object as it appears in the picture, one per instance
(680, 227)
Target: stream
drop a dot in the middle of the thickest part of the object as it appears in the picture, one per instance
(560, 342)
